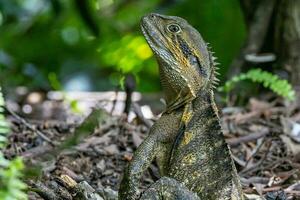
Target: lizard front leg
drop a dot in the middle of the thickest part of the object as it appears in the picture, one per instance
(142, 159)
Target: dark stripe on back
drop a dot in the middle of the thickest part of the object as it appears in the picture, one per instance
(178, 139)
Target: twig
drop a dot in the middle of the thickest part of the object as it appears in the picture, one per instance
(138, 112)
(246, 138)
(114, 102)
(256, 165)
(42, 190)
(31, 127)
(293, 187)
(239, 161)
(64, 187)
(36, 151)
(254, 152)
(254, 179)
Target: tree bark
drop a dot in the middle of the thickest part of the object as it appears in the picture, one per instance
(258, 21)
(282, 16)
(248, 8)
(287, 40)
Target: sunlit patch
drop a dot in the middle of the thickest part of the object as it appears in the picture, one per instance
(128, 54)
(143, 51)
(34, 98)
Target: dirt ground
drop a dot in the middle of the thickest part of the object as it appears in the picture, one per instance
(53, 141)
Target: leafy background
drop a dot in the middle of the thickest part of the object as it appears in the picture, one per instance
(91, 45)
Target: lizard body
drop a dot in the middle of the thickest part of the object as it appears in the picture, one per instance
(187, 141)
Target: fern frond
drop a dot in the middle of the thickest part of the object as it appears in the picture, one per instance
(11, 187)
(279, 86)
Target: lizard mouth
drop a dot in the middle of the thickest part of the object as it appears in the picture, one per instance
(153, 36)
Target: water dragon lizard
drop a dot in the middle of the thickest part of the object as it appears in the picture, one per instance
(187, 141)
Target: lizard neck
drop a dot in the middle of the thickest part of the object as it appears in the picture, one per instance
(205, 101)
(199, 115)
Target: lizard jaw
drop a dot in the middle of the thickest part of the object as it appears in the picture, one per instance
(155, 38)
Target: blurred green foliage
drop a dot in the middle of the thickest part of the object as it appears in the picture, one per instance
(90, 45)
(11, 187)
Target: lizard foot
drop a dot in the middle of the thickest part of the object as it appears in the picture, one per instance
(168, 189)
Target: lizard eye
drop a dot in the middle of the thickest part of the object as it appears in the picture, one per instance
(174, 28)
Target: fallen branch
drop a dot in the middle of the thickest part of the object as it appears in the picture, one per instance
(30, 126)
(246, 138)
(137, 110)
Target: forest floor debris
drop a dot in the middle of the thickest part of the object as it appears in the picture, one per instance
(264, 139)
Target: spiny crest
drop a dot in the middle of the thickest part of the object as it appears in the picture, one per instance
(214, 80)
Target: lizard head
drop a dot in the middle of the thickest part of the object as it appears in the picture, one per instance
(185, 63)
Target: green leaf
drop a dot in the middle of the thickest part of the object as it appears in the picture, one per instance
(279, 86)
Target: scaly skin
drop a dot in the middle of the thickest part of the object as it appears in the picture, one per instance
(187, 141)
